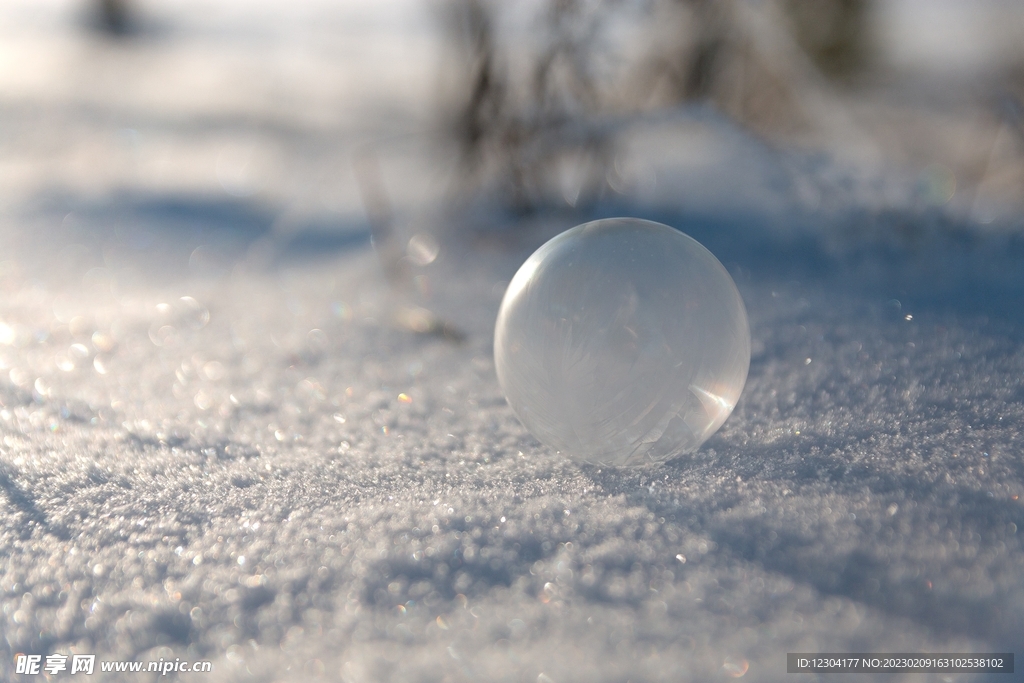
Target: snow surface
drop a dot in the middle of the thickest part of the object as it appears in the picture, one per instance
(273, 475)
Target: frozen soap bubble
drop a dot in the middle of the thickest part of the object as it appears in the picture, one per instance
(622, 341)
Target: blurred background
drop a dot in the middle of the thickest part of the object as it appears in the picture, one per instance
(270, 128)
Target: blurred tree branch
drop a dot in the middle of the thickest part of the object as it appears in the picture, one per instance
(114, 16)
(539, 104)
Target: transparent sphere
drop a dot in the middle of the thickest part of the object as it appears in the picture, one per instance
(622, 341)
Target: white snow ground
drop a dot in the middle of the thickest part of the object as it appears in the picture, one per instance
(273, 476)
